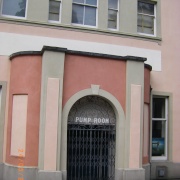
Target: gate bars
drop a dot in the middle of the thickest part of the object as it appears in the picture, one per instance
(91, 152)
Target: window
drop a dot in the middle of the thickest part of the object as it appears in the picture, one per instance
(14, 8)
(159, 128)
(112, 14)
(54, 10)
(146, 18)
(84, 12)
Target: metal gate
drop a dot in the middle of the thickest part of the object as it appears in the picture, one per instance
(91, 140)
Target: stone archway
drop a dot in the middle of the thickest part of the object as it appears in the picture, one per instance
(63, 124)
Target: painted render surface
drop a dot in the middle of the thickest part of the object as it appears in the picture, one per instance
(167, 80)
(23, 76)
(81, 72)
(25, 80)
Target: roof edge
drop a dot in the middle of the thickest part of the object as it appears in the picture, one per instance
(82, 53)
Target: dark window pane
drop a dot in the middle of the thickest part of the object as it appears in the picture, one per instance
(158, 138)
(158, 129)
(147, 21)
(140, 23)
(113, 4)
(54, 17)
(145, 24)
(91, 2)
(77, 14)
(90, 16)
(158, 107)
(14, 8)
(140, 8)
(145, 8)
(112, 19)
(54, 6)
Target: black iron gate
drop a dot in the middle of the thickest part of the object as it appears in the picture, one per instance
(91, 142)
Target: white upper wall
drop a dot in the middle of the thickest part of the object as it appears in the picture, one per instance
(12, 43)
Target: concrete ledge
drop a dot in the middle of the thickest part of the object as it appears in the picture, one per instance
(134, 174)
(173, 169)
(64, 175)
(1, 171)
(121, 174)
(49, 175)
(147, 171)
(12, 173)
(9, 172)
(118, 174)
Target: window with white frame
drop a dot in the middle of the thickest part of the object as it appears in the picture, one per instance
(112, 14)
(84, 12)
(159, 127)
(146, 18)
(16, 8)
(54, 10)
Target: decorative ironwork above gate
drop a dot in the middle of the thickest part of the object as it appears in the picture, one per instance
(91, 110)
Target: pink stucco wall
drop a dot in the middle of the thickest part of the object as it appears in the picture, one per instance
(146, 116)
(51, 127)
(5, 66)
(168, 79)
(135, 124)
(147, 85)
(78, 35)
(82, 71)
(26, 79)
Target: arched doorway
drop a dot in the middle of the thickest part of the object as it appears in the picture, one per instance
(91, 140)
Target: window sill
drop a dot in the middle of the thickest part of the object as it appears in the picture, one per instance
(13, 17)
(54, 22)
(158, 159)
(83, 26)
(144, 34)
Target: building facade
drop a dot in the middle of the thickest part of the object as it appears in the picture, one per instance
(89, 89)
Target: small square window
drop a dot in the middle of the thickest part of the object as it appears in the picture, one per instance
(54, 10)
(14, 8)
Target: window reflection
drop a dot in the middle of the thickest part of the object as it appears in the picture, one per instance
(112, 14)
(84, 12)
(14, 8)
(158, 138)
(146, 17)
